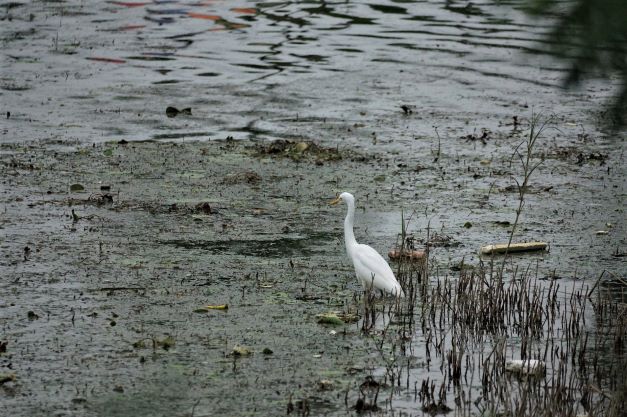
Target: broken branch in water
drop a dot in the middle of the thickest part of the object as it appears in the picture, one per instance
(513, 247)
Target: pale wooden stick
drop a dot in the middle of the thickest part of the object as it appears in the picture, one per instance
(514, 247)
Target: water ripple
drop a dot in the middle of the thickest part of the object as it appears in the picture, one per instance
(171, 51)
(291, 37)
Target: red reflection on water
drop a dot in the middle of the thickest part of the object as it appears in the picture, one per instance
(131, 27)
(204, 16)
(244, 10)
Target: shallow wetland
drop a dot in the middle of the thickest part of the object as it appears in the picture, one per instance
(188, 264)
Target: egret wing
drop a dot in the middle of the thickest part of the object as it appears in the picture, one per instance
(372, 269)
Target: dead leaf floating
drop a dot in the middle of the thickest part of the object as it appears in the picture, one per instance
(407, 110)
(203, 207)
(217, 307)
(205, 309)
(241, 351)
(166, 343)
(246, 177)
(173, 111)
(336, 319)
(325, 385)
(6, 378)
(411, 255)
(301, 147)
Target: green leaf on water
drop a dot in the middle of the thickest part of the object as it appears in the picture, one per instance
(329, 318)
(108, 152)
(77, 187)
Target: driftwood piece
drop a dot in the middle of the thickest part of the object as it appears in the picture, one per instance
(412, 255)
(514, 247)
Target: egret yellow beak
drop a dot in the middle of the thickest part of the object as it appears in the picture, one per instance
(335, 201)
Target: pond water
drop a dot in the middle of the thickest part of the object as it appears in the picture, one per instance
(97, 71)
(101, 287)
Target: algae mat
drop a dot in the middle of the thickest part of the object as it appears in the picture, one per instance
(121, 259)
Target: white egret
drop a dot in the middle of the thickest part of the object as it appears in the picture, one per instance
(370, 267)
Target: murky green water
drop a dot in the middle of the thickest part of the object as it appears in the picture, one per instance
(108, 287)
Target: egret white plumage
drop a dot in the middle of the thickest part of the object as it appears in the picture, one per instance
(370, 267)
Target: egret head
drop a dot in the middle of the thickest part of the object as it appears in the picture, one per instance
(346, 197)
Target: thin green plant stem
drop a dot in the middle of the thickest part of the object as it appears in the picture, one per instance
(529, 166)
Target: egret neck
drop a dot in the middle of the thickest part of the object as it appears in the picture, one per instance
(349, 236)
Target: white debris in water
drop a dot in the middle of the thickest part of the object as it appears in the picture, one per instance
(526, 367)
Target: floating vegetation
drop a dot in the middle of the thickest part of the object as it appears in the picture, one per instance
(246, 177)
(329, 318)
(241, 351)
(165, 343)
(298, 150)
(169, 243)
(6, 378)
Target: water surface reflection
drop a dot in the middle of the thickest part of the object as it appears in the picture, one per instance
(248, 40)
(260, 60)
